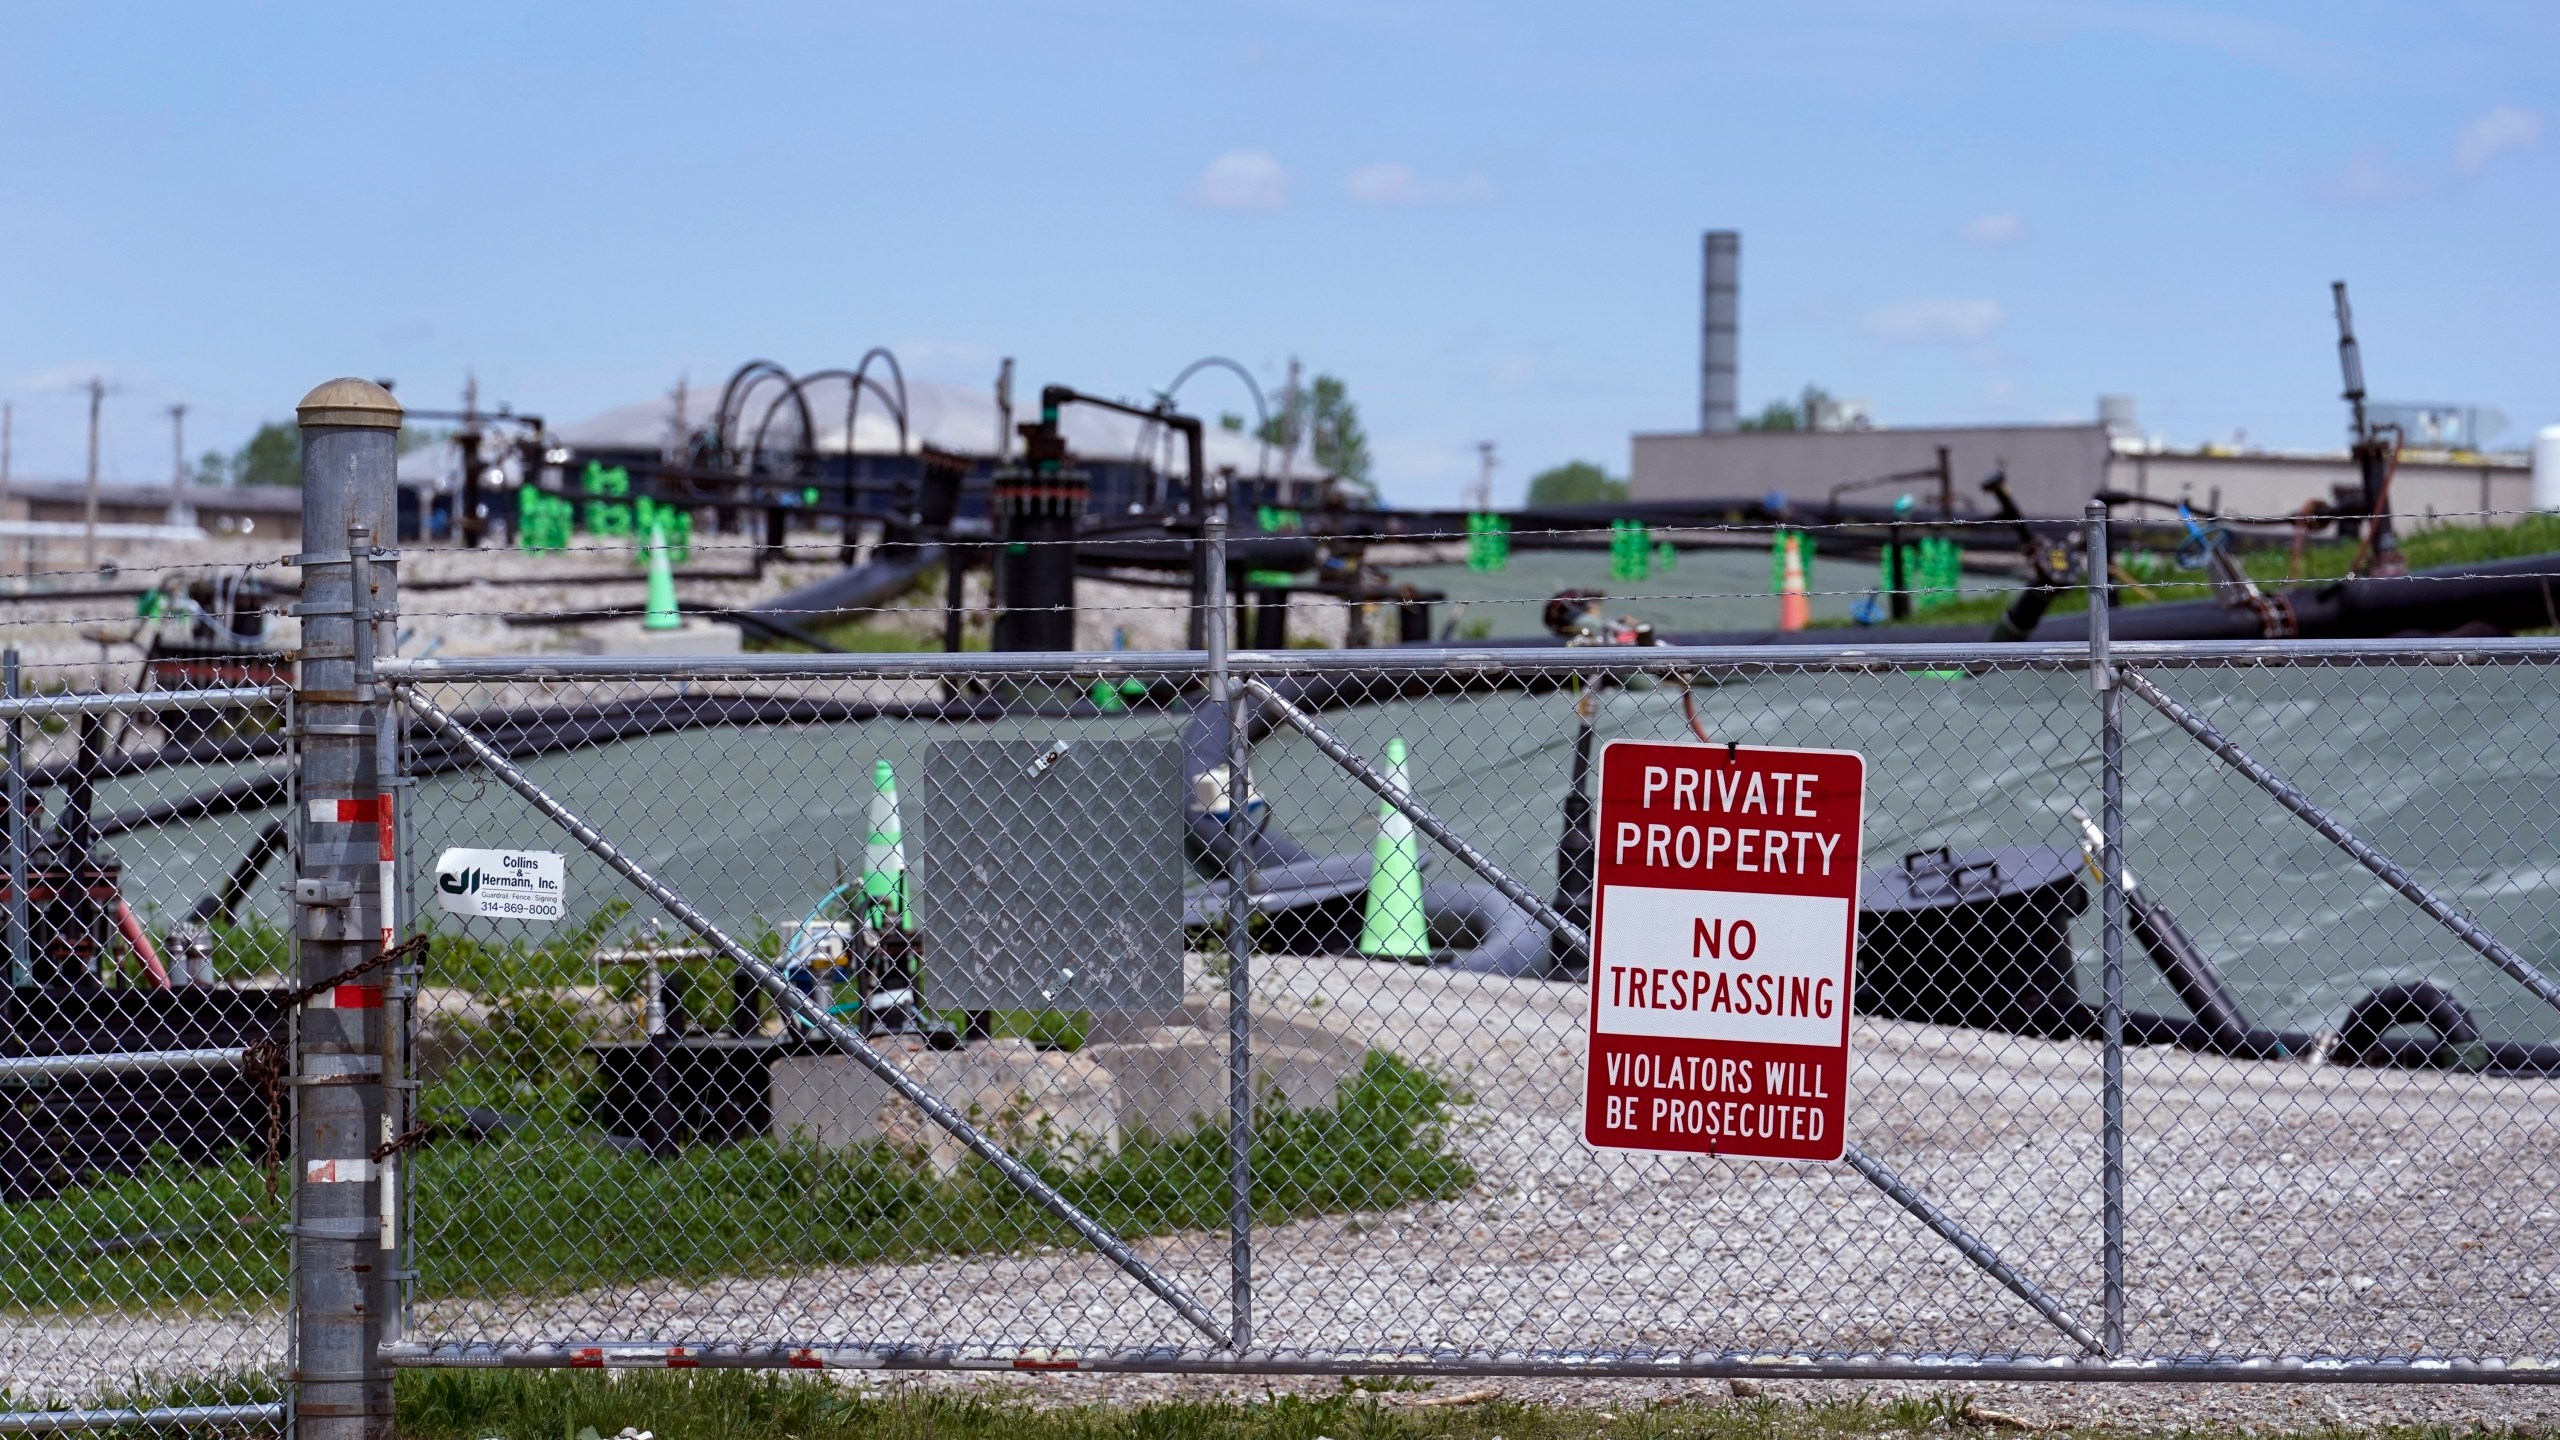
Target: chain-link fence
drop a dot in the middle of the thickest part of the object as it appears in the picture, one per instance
(1232, 1012)
(144, 1204)
(894, 1011)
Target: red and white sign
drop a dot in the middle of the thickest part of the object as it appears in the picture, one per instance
(1724, 942)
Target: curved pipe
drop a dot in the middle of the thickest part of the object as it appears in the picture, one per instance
(861, 377)
(1261, 408)
(733, 398)
(855, 383)
(2363, 1038)
(801, 453)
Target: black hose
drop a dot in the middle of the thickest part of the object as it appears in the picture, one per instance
(2219, 1027)
(2224, 1030)
(219, 907)
(2364, 1038)
(1577, 857)
(1501, 938)
(2024, 614)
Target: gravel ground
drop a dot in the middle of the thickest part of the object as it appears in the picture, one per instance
(2274, 1209)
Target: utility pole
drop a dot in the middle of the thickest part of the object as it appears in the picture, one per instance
(679, 435)
(1289, 419)
(1004, 410)
(89, 534)
(466, 521)
(8, 419)
(180, 512)
(1484, 476)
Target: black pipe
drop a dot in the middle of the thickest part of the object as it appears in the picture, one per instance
(2363, 1038)
(2020, 619)
(1577, 857)
(250, 792)
(2225, 1030)
(219, 907)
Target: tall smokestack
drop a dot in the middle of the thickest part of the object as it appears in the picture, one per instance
(1716, 380)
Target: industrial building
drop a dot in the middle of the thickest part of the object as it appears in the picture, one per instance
(252, 510)
(2053, 469)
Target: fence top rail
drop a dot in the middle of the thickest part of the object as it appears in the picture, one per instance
(1844, 655)
(121, 701)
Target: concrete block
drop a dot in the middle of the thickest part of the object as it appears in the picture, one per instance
(629, 637)
(1344, 1052)
(1165, 1081)
(1022, 1097)
(1176, 1079)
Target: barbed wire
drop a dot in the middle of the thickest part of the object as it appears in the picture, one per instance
(794, 550)
(1921, 596)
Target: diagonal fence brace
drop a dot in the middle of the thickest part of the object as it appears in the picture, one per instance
(808, 1011)
(1973, 1247)
(2464, 928)
(1423, 820)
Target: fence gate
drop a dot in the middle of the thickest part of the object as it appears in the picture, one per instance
(698, 1113)
(2275, 1108)
(145, 1014)
(1211, 1012)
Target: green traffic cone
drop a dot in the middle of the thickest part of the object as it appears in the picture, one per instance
(662, 584)
(884, 853)
(1394, 923)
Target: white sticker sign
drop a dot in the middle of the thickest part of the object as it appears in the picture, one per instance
(502, 884)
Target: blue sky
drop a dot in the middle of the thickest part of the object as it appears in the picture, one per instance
(1484, 217)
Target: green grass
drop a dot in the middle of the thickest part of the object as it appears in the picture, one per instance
(763, 1405)
(2424, 549)
(552, 1209)
(250, 1387)
(749, 1405)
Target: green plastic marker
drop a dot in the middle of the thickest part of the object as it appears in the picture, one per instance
(1394, 924)
(662, 586)
(884, 852)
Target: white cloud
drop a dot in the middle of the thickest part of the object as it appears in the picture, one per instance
(2000, 229)
(1243, 180)
(1935, 322)
(69, 375)
(2504, 128)
(1390, 183)
(2367, 180)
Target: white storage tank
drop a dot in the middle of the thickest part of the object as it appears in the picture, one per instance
(2546, 468)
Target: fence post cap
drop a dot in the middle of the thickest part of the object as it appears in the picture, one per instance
(348, 401)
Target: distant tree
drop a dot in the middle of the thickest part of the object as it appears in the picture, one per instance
(1325, 417)
(1231, 422)
(1340, 445)
(214, 469)
(1776, 415)
(1789, 415)
(273, 456)
(1577, 483)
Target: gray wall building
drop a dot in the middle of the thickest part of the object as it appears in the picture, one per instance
(2053, 470)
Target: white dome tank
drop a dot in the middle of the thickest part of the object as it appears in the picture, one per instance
(2546, 468)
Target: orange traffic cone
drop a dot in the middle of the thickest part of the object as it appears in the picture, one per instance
(1795, 608)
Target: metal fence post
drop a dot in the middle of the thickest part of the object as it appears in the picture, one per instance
(344, 1288)
(22, 955)
(1230, 701)
(2102, 678)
